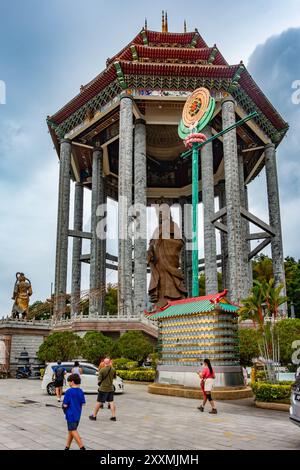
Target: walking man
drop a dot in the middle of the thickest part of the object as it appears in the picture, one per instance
(105, 390)
(59, 373)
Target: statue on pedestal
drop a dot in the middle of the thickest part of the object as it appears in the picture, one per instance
(163, 257)
(21, 294)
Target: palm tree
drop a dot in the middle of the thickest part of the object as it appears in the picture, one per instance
(273, 297)
(252, 306)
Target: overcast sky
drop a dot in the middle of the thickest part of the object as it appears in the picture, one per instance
(49, 48)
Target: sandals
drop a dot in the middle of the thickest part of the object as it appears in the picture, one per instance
(201, 408)
(213, 412)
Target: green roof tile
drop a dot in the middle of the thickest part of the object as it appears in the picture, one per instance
(190, 308)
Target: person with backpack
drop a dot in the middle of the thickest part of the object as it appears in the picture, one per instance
(106, 390)
(59, 373)
(207, 376)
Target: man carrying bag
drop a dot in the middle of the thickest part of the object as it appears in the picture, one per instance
(105, 390)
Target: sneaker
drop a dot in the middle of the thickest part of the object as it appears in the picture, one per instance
(113, 418)
(201, 408)
(93, 418)
(82, 448)
(213, 412)
(67, 448)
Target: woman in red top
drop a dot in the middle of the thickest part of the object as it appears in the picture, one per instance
(207, 377)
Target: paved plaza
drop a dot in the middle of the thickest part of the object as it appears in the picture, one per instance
(29, 419)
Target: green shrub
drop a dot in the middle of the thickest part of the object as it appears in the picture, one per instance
(121, 363)
(146, 375)
(132, 365)
(248, 345)
(271, 393)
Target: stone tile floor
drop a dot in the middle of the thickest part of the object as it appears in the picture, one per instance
(144, 421)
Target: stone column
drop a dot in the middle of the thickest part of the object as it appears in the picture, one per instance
(186, 254)
(275, 220)
(224, 247)
(124, 203)
(208, 199)
(237, 279)
(98, 246)
(140, 224)
(61, 264)
(245, 226)
(77, 249)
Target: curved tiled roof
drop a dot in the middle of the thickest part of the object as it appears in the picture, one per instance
(163, 54)
(194, 306)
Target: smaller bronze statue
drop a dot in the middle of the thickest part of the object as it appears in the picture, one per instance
(21, 295)
(163, 257)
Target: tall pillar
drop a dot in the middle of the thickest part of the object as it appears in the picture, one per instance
(140, 225)
(275, 219)
(208, 199)
(237, 281)
(245, 226)
(186, 253)
(77, 249)
(124, 203)
(98, 245)
(224, 247)
(61, 264)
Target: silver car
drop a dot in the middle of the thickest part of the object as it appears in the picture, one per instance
(295, 403)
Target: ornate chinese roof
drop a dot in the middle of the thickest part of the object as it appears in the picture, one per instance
(168, 61)
(194, 306)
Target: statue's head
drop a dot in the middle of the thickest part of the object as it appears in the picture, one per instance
(22, 277)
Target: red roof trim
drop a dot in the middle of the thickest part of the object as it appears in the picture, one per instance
(260, 99)
(88, 92)
(174, 53)
(188, 70)
(180, 38)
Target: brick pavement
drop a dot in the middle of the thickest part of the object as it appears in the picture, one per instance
(144, 422)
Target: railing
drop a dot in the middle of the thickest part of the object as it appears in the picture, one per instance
(104, 318)
(25, 322)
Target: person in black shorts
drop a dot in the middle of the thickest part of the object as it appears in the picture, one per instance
(106, 390)
(59, 373)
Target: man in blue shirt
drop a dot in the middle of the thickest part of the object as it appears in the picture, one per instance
(72, 406)
(59, 373)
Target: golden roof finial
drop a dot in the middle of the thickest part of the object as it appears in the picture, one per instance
(184, 26)
(163, 21)
(166, 23)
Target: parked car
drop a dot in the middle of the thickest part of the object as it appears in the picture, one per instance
(295, 403)
(89, 378)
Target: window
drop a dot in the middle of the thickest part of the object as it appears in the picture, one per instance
(88, 370)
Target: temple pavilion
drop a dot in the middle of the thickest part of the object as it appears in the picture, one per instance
(118, 138)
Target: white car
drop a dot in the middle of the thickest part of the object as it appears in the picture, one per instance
(295, 403)
(89, 378)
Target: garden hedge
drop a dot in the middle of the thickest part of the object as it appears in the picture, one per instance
(272, 393)
(147, 375)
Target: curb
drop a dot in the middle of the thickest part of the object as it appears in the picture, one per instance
(273, 406)
(186, 392)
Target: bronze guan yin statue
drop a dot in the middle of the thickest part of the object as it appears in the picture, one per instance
(163, 257)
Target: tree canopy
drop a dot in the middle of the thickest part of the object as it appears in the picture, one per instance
(135, 346)
(96, 346)
(63, 346)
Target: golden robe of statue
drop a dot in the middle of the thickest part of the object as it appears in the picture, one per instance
(163, 257)
(21, 295)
